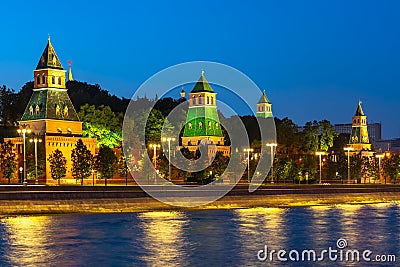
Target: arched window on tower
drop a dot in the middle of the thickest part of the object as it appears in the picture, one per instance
(212, 100)
(194, 100)
(43, 79)
(208, 100)
(38, 79)
(199, 99)
(53, 80)
(59, 80)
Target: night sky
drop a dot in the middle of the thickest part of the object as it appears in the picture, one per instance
(315, 59)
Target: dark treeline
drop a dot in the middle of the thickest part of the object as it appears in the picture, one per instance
(316, 135)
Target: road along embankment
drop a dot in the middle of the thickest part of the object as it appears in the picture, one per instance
(18, 200)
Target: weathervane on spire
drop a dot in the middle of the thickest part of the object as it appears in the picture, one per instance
(202, 72)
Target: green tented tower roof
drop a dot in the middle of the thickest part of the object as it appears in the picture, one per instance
(202, 85)
(49, 58)
(263, 99)
(50, 104)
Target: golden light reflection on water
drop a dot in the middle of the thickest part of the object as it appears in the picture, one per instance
(28, 244)
(267, 223)
(163, 238)
(320, 223)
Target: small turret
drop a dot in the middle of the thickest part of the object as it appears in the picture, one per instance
(264, 107)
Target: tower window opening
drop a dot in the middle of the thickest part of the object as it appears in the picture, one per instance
(194, 100)
(43, 79)
(53, 79)
(199, 99)
(38, 79)
(212, 100)
(208, 100)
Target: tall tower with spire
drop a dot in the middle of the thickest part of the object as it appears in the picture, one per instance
(359, 139)
(264, 107)
(202, 123)
(50, 113)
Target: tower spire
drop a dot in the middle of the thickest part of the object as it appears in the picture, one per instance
(70, 71)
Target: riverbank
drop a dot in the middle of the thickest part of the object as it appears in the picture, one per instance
(60, 200)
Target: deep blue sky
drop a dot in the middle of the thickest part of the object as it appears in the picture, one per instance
(316, 59)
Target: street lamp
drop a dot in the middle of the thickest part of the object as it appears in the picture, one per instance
(272, 146)
(320, 153)
(248, 150)
(92, 177)
(169, 139)
(154, 146)
(379, 156)
(24, 131)
(348, 149)
(36, 140)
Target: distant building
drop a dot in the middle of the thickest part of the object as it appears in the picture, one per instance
(387, 145)
(374, 130)
(202, 123)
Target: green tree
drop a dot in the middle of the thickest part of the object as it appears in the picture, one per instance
(58, 165)
(355, 167)
(219, 164)
(82, 161)
(123, 168)
(154, 126)
(288, 138)
(8, 99)
(391, 167)
(8, 163)
(318, 135)
(106, 163)
(101, 123)
(327, 135)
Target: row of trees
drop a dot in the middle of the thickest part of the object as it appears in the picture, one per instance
(84, 163)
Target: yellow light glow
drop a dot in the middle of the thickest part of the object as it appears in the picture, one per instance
(28, 234)
(163, 237)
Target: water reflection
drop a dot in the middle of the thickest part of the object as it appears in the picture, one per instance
(196, 238)
(163, 239)
(27, 241)
(258, 227)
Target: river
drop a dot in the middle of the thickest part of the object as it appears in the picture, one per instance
(236, 237)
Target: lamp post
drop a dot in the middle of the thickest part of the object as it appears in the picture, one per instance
(24, 131)
(154, 147)
(379, 156)
(320, 153)
(348, 149)
(248, 150)
(92, 177)
(272, 146)
(20, 174)
(169, 139)
(36, 140)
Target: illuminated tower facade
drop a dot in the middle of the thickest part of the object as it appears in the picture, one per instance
(359, 139)
(264, 107)
(202, 123)
(50, 113)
